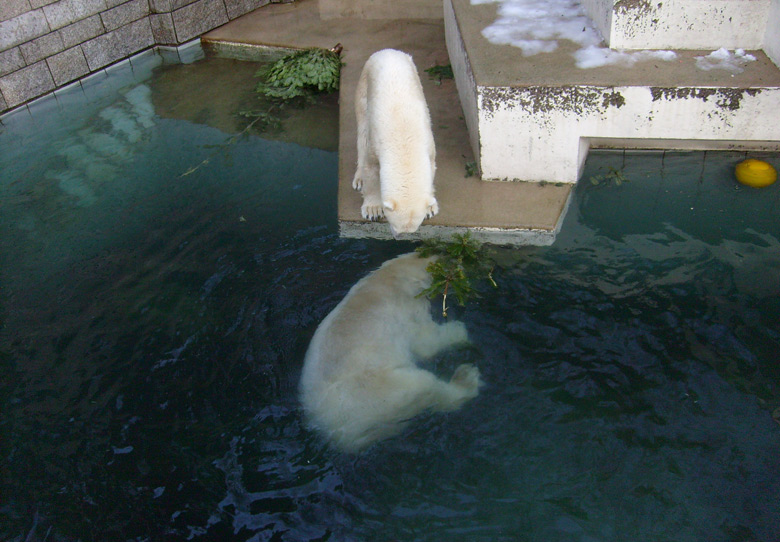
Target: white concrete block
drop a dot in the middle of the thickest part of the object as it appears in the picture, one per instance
(681, 24)
(772, 35)
(543, 134)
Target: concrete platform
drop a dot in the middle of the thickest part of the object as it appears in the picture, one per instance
(533, 118)
(504, 213)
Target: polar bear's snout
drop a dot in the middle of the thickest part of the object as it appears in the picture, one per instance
(403, 222)
(408, 219)
(406, 226)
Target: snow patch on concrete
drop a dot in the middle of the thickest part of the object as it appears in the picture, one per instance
(594, 57)
(723, 59)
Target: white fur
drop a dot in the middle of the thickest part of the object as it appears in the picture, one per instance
(360, 382)
(396, 154)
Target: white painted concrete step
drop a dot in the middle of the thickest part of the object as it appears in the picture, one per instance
(687, 24)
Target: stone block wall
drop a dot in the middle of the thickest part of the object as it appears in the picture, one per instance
(46, 44)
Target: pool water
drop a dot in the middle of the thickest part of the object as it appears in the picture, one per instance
(160, 279)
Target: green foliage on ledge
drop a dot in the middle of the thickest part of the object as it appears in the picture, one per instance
(437, 73)
(460, 262)
(302, 74)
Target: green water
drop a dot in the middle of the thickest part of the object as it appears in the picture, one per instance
(154, 326)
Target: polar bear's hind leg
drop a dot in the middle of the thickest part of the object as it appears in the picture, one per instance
(366, 178)
(415, 390)
(361, 111)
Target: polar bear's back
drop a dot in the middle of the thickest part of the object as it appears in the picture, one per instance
(346, 387)
(378, 309)
(394, 76)
(399, 102)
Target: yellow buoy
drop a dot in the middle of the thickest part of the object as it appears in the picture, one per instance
(755, 173)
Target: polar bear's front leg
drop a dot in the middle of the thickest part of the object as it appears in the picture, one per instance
(433, 208)
(372, 208)
(363, 143)
(431, 338)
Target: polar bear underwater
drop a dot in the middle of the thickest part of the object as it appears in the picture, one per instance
(360, 381)
(396, 154)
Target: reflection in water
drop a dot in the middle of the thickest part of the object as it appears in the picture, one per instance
(154, 328)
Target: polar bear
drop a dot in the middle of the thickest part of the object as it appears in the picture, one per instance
(396, 155)
(360, 381)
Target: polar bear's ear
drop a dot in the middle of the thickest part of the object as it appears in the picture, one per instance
(389, 204)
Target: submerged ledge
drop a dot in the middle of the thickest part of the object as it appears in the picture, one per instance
(495, 236)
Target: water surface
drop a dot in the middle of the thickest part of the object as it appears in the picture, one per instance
(160, 282)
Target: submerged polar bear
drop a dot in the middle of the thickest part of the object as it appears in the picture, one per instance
(360, 382)
(396, 155)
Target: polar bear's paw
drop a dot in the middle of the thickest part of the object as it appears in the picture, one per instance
(432, 210)
(357, 182)
(458, 333)
(467, 377)
(372, 209)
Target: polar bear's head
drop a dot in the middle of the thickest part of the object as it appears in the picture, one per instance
(407, 218)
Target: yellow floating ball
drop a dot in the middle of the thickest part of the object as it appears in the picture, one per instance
(755, 173)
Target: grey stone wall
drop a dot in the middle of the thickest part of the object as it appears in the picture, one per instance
(46, 44)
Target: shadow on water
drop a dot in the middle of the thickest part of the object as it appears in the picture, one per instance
(154, 326)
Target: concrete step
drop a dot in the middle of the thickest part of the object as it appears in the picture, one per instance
(533, 118)
(686, 24)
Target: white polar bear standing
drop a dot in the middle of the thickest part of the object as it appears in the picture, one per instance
(396, 154)
(360, 381)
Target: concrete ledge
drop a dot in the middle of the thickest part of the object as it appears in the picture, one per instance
(688, 145)
(380, 9)
(495, 236)
(244, 51)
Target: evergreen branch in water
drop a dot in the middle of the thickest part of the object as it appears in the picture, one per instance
(221, 147)
(459, 263)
